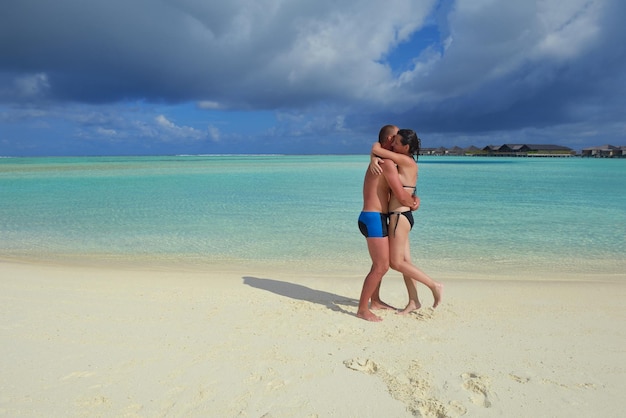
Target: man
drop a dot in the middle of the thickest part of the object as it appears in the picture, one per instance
(373, 225)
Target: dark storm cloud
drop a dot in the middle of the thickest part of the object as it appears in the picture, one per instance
(499, 66)
(526, 66)
(244, 53)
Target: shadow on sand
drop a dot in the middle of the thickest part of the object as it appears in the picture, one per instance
(299, 292)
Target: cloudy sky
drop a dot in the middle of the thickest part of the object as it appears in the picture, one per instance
(111, 77)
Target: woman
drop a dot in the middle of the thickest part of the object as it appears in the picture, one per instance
(406, 148)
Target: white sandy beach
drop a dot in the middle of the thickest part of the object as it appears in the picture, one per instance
(104, 342)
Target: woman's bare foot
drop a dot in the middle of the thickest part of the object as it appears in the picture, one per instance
(437, 293)
(368, 316)
(413, 305)
(379, 304)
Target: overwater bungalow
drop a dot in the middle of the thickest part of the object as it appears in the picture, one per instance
(528, 150)
(604, 151)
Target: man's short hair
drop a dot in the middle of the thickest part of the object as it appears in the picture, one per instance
(385, 131)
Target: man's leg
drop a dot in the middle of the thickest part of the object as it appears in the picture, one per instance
(379, 253)
(377, 303)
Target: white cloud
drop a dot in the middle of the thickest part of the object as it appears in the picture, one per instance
(106, 132)
(164, 122)
(214, 133)
(32, 86)
(172, 131)
(568, 29)
(208, 105)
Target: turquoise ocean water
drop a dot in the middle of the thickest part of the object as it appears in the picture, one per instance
(478, 215)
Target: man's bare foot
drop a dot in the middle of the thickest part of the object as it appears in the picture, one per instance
(437, 293)
(368, 316)
(413, 305)
(379, 304)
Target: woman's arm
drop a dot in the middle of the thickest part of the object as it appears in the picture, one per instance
(375, 163)
(397, 158)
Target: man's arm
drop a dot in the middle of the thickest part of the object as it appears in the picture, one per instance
(393, 180)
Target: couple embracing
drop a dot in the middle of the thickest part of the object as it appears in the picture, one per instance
(389, 200)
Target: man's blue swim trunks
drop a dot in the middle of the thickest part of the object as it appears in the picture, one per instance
(373, 224)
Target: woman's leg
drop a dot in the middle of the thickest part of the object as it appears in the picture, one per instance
(411, 285)
(398, 241)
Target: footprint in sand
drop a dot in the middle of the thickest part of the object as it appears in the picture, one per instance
(479, 386)
(424, 314)
(77, 375)
(412, 387)
(519, 379)
(362, 365)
